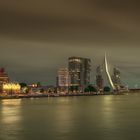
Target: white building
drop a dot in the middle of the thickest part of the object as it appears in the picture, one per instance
(63, 79)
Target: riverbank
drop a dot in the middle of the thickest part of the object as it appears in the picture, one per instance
(21, 96)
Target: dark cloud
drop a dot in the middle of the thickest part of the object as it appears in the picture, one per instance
(38, 36)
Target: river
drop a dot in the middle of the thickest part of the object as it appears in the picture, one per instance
(108, 117)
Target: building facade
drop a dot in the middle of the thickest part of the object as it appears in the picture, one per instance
(99, 78)
(116, 78)
(79, 70)
(3, 78)
(63, 80)
(11, 88)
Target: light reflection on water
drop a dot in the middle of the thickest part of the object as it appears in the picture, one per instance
(10, 117)
(10, 111)
(107, 113)
(71, 118)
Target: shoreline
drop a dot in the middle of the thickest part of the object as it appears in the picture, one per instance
(53, 95)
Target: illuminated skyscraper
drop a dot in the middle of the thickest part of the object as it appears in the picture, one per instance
(99, 78)
(63, 79)
(116, 78)
(79, 70)
(104, 76)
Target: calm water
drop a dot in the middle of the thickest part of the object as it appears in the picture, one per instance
(71, 118)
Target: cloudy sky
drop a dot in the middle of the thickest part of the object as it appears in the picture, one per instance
(37, 36)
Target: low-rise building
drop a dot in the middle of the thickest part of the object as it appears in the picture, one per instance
(4, 78)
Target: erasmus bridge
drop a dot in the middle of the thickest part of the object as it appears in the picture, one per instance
(104, 77)
(108, 74)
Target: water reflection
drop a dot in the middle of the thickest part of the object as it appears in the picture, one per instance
(10, 111)
(10, 117)
(97, 117)
(64, 117)
(108, 112)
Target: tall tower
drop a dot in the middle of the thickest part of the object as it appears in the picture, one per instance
(79, 70)
(108, 74)
(99, 78)
(116, 78)
(63, 79)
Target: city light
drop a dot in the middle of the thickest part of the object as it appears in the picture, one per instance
(11, 87)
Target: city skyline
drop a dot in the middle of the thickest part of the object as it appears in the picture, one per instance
(14, 77)
(30, 34)
(112, 71)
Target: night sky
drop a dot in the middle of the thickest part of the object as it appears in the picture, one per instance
(38, 36)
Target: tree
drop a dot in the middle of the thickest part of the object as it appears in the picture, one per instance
(90, 88)
(107, 89)
(38, 84)
(23, 85)
(73, 88)
(42, 90)
(86, 89)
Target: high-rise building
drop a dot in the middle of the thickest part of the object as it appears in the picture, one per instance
(79, 70)
(116, 78)
(99, 78)
(104, 77)
(63, 79)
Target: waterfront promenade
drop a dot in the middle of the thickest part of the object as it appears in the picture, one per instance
(20, 96)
